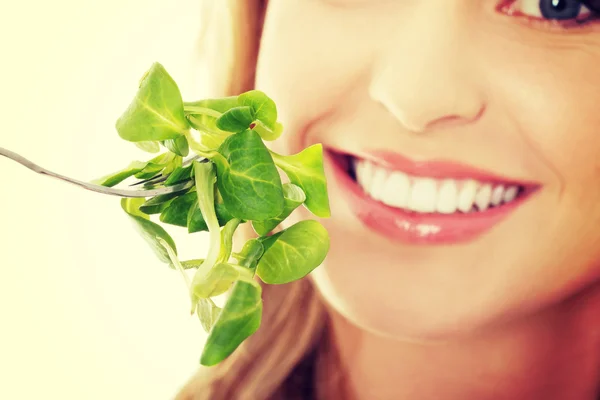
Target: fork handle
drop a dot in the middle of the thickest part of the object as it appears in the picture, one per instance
(90, 186)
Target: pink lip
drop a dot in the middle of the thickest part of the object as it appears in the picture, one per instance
(434, 228)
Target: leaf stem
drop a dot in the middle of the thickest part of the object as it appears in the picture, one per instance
(246, 274)
(201, 127)
(227, 239)
(201, 110)
(212, 303)
(205, 187)
(175, 262)
(195, 145)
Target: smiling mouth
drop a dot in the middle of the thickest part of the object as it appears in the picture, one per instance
(426, 195)
(426, 202)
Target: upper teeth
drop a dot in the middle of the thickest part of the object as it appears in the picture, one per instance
(427, 195)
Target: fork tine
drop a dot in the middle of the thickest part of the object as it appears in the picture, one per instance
(160, 178)
(154, 179)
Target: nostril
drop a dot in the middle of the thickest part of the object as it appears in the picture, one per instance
(449, 121)
(445, 122)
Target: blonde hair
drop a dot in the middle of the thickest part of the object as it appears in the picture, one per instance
(278, 361)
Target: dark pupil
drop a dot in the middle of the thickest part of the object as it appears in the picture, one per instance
(560, 9)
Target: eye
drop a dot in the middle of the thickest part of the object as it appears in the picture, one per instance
(558, 10)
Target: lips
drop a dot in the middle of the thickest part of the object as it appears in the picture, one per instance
(434, 202)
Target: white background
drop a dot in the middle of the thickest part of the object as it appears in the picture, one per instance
(86, 310)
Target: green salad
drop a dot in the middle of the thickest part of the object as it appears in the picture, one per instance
(234, 179)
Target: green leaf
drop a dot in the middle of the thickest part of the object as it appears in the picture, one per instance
(236, 120)
(305, 169)
(265, 132)
(206, 124)
(209, 140)
(247, 179)
(208, 313)
(157, 204)
(268, 241)
(196, 222)
(156, 165)
(155, 209)
(149, 230)
(218, 280)
(118, 177)
(295, 253)
(250, 254)
(150, 171)
(220, 105)
(156, 112)
(132, 207)
(239, 319)
(185, 212)
(178, 146)
(191, 264)
(163, 158)
(178, 175)
(150, 147)
(294, 197)
(203, 115)
(263, 107)
(177, 211)
(170, 167)
(227, 239)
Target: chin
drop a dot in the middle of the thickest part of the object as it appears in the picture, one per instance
(381, 308)
(437, 293)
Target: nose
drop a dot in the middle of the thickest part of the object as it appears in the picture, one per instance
(426, 76)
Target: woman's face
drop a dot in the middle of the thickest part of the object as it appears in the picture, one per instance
(481, 122)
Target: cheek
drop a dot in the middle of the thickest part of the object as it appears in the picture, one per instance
(309, 72)
(552, 98)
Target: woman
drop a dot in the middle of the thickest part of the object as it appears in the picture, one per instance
(463, 161)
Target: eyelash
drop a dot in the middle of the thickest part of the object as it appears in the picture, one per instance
(506, 7)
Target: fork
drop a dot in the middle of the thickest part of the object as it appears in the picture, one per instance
(103, 189)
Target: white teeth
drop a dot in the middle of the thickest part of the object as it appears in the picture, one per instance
(497, 195)
(428, 195)
(378, 183)
(483, 197)
(423, 195)
(396, 191)
(447, 200)
(466, 197)
(358, 167)
(511, 193)
(365, 174)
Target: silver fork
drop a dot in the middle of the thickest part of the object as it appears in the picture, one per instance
(99, 188)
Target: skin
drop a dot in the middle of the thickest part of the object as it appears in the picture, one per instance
(514, 313)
